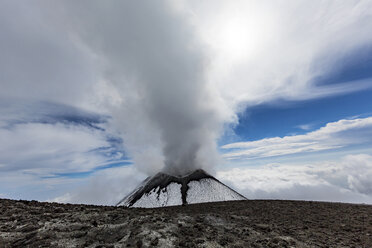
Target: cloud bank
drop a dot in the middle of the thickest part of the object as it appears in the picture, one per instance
(49, 139)
(104, 188)
(342, 180)
(346, 180)
(332, 136)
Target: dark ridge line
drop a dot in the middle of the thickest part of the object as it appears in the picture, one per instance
(184, 189)
(162, 180)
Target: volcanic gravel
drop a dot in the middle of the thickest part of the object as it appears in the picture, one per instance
(251, 223)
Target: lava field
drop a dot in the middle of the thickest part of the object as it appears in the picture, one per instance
(250, 223)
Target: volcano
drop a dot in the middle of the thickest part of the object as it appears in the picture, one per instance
(164, 190)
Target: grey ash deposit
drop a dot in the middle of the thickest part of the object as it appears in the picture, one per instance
(258, 223)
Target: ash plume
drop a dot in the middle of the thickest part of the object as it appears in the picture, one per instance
(167, 115)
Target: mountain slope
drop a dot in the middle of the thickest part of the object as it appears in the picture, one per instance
(166, 190)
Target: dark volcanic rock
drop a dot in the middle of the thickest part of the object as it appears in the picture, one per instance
(260, 223)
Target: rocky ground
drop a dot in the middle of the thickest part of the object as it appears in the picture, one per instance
(258, 223)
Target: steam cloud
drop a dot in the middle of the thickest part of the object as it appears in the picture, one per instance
(158, 68)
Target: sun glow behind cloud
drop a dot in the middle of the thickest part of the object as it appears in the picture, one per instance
(235, 30)
(235, 36)
(264, 51)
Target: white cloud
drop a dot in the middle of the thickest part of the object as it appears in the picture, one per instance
(39, 60)
(44, 148)
(260, 54)
(248, 52)
(109, 60)
(346, 180)
(29, 186)
(305, 127)
(332, 136)
(105, 187)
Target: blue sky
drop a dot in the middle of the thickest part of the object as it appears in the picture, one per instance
(92, 102)
(283, 117)
(289, 118)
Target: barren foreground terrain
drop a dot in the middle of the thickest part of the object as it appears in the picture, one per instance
(258, 223)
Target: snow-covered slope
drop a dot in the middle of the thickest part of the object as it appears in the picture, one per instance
(165, 190)
(209, 190)
(169, 196)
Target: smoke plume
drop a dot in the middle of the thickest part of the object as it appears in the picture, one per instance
(158, 69)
